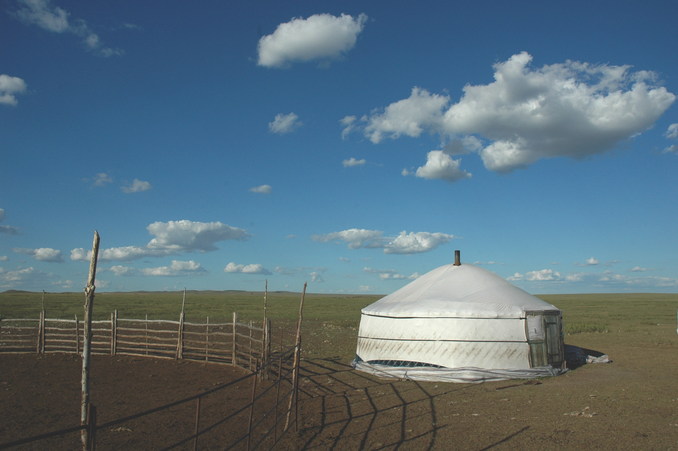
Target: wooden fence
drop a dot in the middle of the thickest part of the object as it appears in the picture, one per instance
(236, 343)
(259, 423)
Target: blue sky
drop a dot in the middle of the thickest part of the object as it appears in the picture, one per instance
(350, 145)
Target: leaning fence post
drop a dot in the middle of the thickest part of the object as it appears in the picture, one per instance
(77, 336)
(295, 371)
(87, 336)
(180, 339)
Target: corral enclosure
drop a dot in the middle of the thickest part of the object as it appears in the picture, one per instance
(629, 404)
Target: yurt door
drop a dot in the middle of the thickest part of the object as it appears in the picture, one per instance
(545, 337)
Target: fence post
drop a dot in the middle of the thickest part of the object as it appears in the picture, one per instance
(180, 339)
(250, 350)
(114, 332)
(77, 335)
(235, 337)
(207, 339)
(40, 345)
(87, 339)
(295, 368)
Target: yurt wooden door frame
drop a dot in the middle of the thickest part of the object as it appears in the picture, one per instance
(544, 332)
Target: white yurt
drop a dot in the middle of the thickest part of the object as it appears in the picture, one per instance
(460, 323)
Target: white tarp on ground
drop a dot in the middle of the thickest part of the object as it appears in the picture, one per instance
(457, 375)
(458, 323)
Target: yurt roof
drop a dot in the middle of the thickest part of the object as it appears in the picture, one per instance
(461, 291)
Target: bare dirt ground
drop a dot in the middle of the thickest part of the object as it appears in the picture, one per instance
(631, 403)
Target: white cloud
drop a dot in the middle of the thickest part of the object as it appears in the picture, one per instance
(9, 88)
(571, 109)
(254, 268)
(404, 243)
(316, 277)
(672, 131)
(412, 243)
(190, 236)
(284, 123)
(57, 20)
(16, 278)
(101, 179)
(409, 117)
(44, 254)
(136, 186)
(591, 261)
(319, 37)
(541, 275)
(439, 165)
(262, 189)
(639, 269)
(349, 125)
(353, 162)
(177, 268)
(170, 238)
(4, 258)
(356, 238)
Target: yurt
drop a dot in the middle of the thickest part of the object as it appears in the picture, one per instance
(460, 323)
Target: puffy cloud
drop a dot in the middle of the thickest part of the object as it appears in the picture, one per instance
(254, 268)
(16, 278)
(541, 275)
(123, 253)
(319, 37)
(672, 133)
(404, 243)
(356, 238)
(101, 179)
(9, 88)
(353, 162)
(262, 189)
(136, 186)
(170, 238)
(284, 123)
(413, 243)
(349, 124)
(57, 20)
(189, 236)
(439, 165)
(44, 254)
(570, 109)
(177, 268)
(409, 117)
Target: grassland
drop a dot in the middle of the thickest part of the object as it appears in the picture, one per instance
(331, 321)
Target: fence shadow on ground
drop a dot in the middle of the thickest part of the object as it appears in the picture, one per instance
(346, 409)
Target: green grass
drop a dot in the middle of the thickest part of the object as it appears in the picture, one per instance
(331, 321)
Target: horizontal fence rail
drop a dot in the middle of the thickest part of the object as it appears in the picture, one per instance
(245, 345)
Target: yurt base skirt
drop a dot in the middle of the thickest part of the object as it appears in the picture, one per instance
(458, 375)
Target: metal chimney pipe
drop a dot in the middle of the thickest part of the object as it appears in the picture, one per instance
(457, 258)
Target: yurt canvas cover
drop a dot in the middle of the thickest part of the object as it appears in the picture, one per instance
(460, 323)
